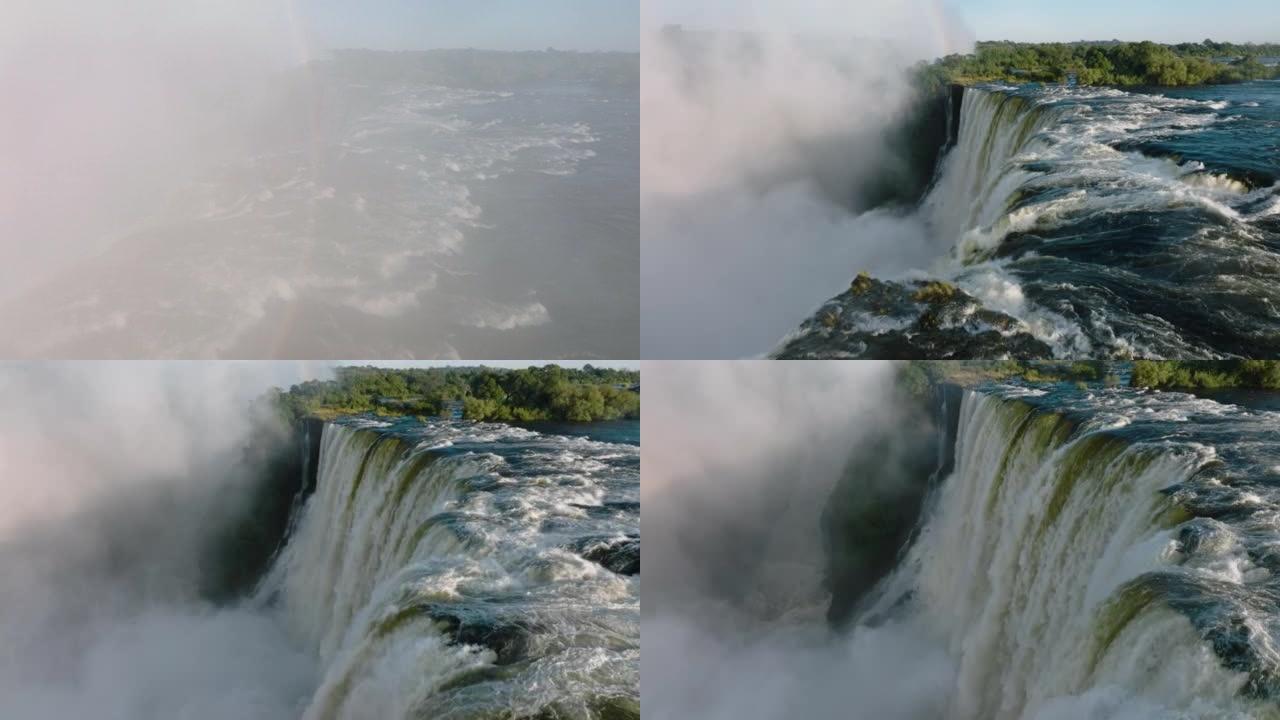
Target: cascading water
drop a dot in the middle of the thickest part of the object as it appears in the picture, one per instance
(1087, 223)
(979, 175)
(466, 571)
(1105, 554)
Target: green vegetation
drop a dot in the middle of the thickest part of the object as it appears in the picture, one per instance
(536, 393)
(915, 376)
(1102, 63)
(1206, 374)
(935, 291)
(861, 284)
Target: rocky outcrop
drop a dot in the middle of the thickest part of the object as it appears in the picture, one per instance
(877, 505)
(912, 319)
(619, 554)
(282, 463)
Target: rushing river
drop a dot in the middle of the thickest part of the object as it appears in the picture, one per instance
(369, 214)
(1104, 223)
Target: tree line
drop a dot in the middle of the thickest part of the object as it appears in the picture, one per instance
(917, 376)
(529, 394)
(1206, 374)
(1103, 63)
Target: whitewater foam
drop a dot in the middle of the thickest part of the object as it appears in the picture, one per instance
(1037, 552)
(1054, 214)
(432, 557)
(387, 183)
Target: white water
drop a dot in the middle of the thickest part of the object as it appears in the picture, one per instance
(1010, 605)
(981, 171)
(1072, 141)
(1017, 572)
(373, 557)
(374, 201)
(1068, 137)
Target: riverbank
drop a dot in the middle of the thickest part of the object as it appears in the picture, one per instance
(1110, 63)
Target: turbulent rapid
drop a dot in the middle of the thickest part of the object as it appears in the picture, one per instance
(1085, 223)
(410, 204)
(1104, 553)
(466, 571)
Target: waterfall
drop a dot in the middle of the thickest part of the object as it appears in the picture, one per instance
(1048, 564)
(1086, 222)
(980, 174)
(420, 579)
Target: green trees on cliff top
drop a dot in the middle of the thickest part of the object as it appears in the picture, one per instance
(549, 392)
(1105, 63)
(916, 376)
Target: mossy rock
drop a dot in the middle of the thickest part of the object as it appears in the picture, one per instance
(861, 284)
(919, 319)
(935, 292)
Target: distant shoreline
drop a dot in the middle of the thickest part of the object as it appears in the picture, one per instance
(1104, 64)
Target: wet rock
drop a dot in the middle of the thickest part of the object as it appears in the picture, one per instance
(616, 708)
(509, 638)
(621, 555)
(596, 708)
(912, 319)
(609, 509)
(874, 508)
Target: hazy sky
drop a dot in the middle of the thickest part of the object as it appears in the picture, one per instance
(1029, 20)
(489, 24)
(1159, 20)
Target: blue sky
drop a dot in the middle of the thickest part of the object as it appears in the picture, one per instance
(1159, 20)
(489, 24)
(1029, 20)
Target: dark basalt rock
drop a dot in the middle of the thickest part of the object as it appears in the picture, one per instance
(908, 320)
(609, 508)
(596, 708)
(875, 507)
(509, 638)
(616, 708)
(621, 555)
(283, 466)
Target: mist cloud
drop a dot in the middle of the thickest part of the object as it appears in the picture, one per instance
(113, 476)
(108, 105)
(756, 149)
(740, 459)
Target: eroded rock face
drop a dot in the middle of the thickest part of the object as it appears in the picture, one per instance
(876, 505)
(913, 320)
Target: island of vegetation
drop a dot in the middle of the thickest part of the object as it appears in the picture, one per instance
(1103, 63)
(917, 376)
(530, 394)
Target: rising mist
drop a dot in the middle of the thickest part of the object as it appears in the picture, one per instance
(740, 462)
(761, 151)
(197, 180)
(116, 482)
